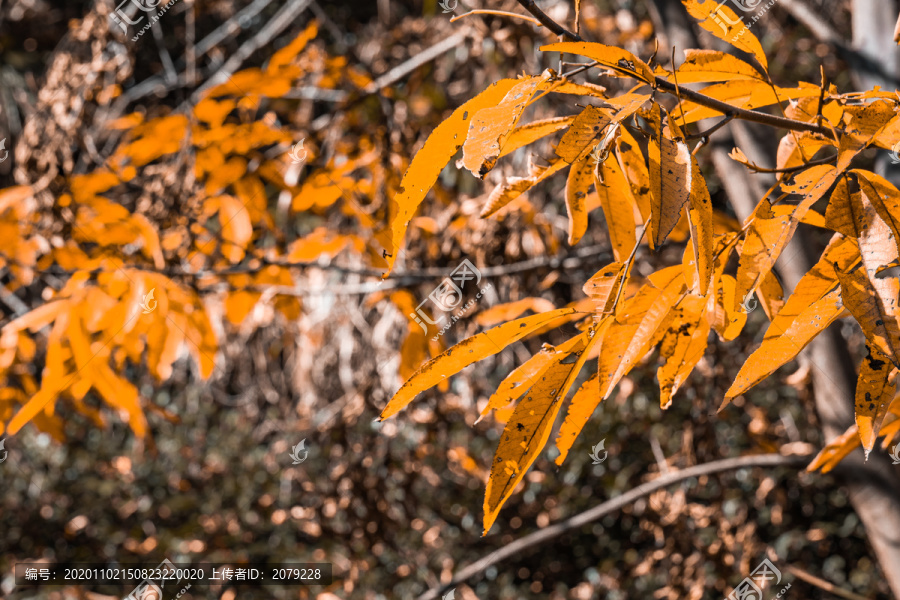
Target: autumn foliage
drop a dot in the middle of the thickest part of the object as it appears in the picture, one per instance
(634, 159)
(628, 155)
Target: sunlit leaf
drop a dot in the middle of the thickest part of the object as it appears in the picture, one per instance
(465, 353)
(430, 160)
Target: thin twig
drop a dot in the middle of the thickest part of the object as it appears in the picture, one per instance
(503, 13)
(539, 539)
(821, 583)
(669, 87)
(549, 23)
(231, 26)
(711, 130)
(416, 61)
(581, 256)
(812, 163)
(742, 113)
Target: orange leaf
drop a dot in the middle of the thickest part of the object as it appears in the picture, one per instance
(618, 207)
(512, 310)
(490, 125)
(465, 353)
(619, 60)
(529, 428)
(722, 22)
(769, 234)
(428, 162)
(777, 351)
(875, 390)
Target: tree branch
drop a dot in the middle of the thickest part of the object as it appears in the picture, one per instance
(549, 23)
(669, 87)
(538, 539)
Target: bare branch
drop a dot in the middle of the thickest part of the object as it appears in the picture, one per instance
(540, 538)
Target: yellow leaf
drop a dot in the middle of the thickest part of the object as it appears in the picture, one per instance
(862, 124)
(150, 238)
(619, 60)
(618, 207)
(583, 404)
(163, 345)
(578, 141)
(816, 283)
(514, 187)
(790, 153)
(321, 243)
(512, 310)
(771, 295)
(465, 353)
(35, 404)
(578, 184)
(287, 54)
(428, 162)
(603, 287)
(670, 181)
(682, 346)
(225, 175)
(722, 22)
(836, 450)
(85, 187)
(529, 428)
(874, 309)
(875, 389)
(769, 233)
(39, 317)
(154, 139)
(883, 196)
(634, 167)
(490, 125)
(586, 88)
(527, 134)
(727, 321)
(237, 230)
(524, 376)
(201, 340)
(777, 351)
(703, 66)
(630, 336)
(119, 393)
(700, 217)
(213, 112)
